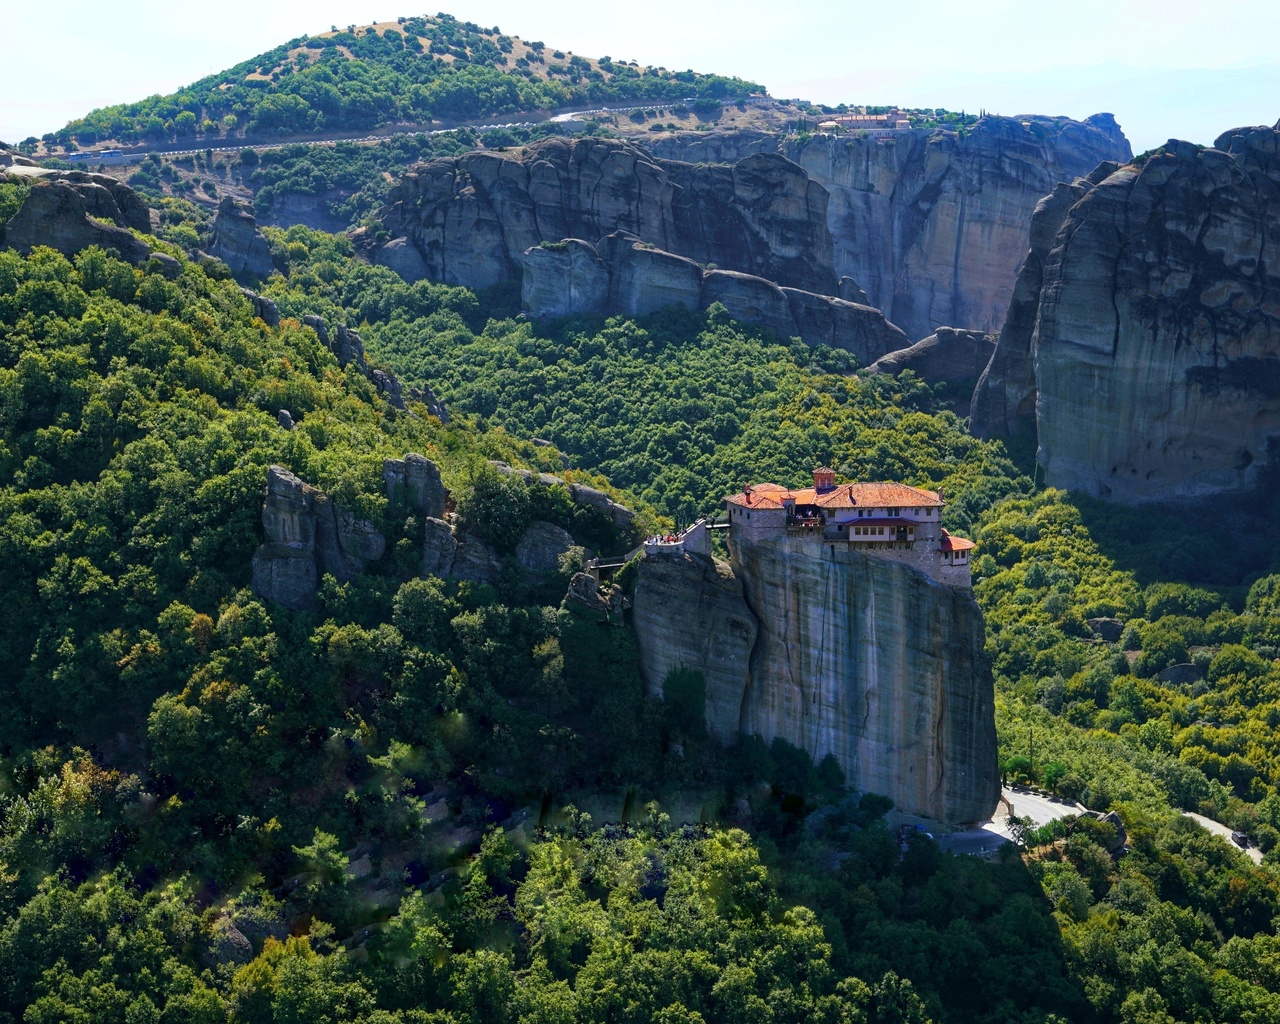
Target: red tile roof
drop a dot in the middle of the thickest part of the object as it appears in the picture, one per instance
(950, 543)
(863, 495)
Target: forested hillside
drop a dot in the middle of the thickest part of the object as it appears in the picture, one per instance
(218, 809)
(415, 70)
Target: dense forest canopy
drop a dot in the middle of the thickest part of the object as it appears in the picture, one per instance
(436, 801)
(415, 71)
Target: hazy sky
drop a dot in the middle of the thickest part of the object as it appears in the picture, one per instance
(1166, 69)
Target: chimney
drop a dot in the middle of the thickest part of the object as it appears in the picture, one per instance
(824, 480)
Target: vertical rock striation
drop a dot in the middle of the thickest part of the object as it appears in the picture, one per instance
(851, 655)
(468, 220)
(932, 225)
(1152, 328)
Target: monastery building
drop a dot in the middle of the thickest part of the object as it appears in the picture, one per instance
(889, 520)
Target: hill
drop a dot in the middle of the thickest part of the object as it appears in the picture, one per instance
(411, 71)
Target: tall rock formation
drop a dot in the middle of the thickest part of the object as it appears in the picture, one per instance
(932, 225)
(838, 653)
(468, 220)
(1004, 400)
(236, 240)
(1156, 346)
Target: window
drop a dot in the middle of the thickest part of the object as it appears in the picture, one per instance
(928, 511)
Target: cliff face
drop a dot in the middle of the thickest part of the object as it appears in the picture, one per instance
(468, 220)
(1005, 397)
(690, 612)
(623, 275)
(933, 225)
(859, 657)
(1156, 349)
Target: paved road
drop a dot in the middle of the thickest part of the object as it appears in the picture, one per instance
(1219, 829)
(991, 835)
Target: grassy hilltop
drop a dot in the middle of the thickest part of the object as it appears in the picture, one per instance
(411, 71)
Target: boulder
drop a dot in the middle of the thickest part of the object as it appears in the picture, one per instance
(427, 397)
(1181, 675)
(474, 560)
(955, 356)
(227, 945)
(438, 548)
(389, 387)
(236, 240)
(541, 546)
(264, 309)
(285, 419)
(348, 348)
(318, 325)
(400, 255)
(168, 267)
(851, 291)
(1107, 629)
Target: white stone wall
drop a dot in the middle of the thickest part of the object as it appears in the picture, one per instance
(697, 539)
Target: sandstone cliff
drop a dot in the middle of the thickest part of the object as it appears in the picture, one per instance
(624, 275)
(468, 220)
(859, 657)
(1156, 347)
(932, 225)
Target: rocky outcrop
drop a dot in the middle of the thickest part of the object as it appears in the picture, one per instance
(931, 224)
(236, 240)
(1156, 347)
(624, 275)
(438, 547)
(949, 355)
(620, 516)
(468, 220)
(541, 547)
(348, 349)
(689, 612)
(263, 308)
(308, 534)
(70, 215)
(414, 482)
(863, 658)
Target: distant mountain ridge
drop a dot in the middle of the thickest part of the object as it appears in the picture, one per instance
(412, 70)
